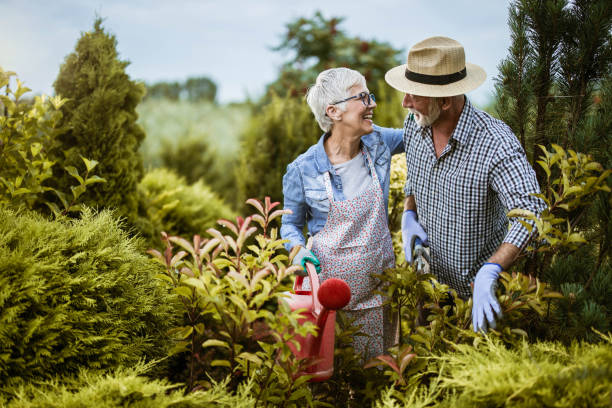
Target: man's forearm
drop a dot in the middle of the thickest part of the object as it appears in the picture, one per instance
(505, 255)
(409, 203)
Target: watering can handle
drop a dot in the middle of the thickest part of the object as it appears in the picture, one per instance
(314, 286)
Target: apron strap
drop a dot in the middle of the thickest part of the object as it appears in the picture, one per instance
(371, 165)
(328, 187)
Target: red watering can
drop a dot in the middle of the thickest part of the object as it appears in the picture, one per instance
(321, 304)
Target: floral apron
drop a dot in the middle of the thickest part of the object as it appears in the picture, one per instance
(353, 245)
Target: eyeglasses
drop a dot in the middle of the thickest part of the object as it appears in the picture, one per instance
(365, 97)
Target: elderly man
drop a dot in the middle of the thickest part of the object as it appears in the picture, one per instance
(465, 170)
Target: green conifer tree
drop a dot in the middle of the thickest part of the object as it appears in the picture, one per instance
(101, 118)
(554, 87)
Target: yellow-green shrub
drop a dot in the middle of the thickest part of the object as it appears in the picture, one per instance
(73, 294)
(179, 208)
(125, 388)
(535, 375)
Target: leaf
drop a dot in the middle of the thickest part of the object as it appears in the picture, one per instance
(300, 393)
(185, 333)
(405, 361)
(228, 224)
(183, 291)
(240, 278)
(544, 166)
(176, 258)
(278, 213)
(221, 363)
(576, 237)
(74, 173)
(164, 277)
(183, 243)
(35, 148)
(94, 179)
(257, 204)
(250, 357)
(519, 212)
(89, 164)
(215, 343)
(78, 190)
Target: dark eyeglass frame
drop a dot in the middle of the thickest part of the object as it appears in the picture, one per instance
(364, 96)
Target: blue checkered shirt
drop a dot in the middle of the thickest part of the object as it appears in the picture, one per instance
(462, 197)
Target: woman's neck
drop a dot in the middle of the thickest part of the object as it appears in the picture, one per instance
(341, 147)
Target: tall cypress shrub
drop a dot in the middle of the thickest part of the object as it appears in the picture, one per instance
(101, 118)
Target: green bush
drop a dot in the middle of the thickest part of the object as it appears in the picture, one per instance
(28, 131)
(101, 121)
(178, 208)
(284, 129)
(75, 293)
(538, 375)
(125, 388)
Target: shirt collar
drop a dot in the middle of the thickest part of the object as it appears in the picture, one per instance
(463, 130)
(464, 125)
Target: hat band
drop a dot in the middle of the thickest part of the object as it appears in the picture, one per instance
(435, 79)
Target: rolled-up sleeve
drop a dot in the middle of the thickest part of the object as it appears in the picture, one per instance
(515, 181)
(294, 200)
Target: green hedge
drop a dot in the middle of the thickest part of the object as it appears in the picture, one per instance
(75, 293)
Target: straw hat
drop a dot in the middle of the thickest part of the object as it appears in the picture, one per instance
(436, 67)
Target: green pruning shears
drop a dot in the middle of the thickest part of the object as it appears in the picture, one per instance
(419, 255)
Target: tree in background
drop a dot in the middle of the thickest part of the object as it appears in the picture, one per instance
(318, 43)
(555, 87)
(282, 130)
(101, 120)
(165, 90)
(194, 89)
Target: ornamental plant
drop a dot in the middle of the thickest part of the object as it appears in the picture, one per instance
(231, 286)
(565, 242)
(430, 326)
(28, 132)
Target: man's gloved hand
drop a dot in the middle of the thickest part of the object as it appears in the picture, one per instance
(411, 229)
(303, 256)
(485, 302)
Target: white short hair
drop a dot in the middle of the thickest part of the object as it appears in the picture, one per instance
(332, 85)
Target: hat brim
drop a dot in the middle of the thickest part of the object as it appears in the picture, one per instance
(475, 76)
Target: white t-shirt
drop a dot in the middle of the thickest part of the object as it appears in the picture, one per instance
(354, 175)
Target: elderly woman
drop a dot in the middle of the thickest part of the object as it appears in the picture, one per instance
(339, 188)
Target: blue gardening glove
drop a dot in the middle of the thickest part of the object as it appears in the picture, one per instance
(485, 302)
(303, 256)
(411, 229)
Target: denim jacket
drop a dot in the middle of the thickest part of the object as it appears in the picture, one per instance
(304, 188)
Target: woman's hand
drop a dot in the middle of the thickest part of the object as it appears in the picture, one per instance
(303, 256)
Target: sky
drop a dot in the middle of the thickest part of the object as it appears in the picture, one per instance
(231, 41)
